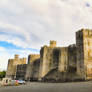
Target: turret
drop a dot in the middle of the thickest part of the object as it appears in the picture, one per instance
(16, 56)
(53, 43)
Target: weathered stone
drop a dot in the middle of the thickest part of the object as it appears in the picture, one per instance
(49, 58)
(57, 62)
(72, 58)
(21, 71)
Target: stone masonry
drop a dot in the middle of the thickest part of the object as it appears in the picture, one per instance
(21, 71)
(56, 61)
(48, 58)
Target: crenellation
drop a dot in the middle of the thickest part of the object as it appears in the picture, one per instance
(34, 55)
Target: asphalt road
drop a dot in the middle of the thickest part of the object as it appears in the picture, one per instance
(50, 87)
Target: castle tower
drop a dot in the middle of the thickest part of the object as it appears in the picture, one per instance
(12, 65)
(49, 58)
(84, 53)
(53, 43)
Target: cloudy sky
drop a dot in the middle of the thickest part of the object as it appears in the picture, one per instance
(26, 25)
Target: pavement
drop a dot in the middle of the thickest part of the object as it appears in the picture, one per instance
(50, 87)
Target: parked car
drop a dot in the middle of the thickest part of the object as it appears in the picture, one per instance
(21, 82)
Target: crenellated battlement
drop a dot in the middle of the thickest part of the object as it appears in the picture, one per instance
(11, 59)
(34, 55)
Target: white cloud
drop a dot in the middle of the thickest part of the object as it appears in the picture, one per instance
(32, 23)
(61, 18)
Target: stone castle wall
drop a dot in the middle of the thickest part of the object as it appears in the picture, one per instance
(60, 59)
(63, 59)
(21, 71)
(60, 64)
(72, 58)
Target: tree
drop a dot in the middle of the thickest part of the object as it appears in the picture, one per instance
(2, 74)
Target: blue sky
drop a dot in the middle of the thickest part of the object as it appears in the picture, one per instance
(11, 46)
(27, 25)
(8, 50)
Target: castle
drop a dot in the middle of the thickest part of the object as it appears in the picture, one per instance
(56, 63)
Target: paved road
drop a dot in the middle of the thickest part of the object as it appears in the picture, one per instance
(50, 87)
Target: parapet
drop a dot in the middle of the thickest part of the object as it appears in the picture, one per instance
(16, 56)
(34, 55)
(23, 60)
(72, 45)
(11, 59)
(53, 43)
(86, 30)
